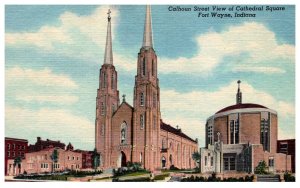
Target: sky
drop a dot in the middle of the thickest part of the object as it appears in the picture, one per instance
(53, 55)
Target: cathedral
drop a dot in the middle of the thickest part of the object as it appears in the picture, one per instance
(125, 133)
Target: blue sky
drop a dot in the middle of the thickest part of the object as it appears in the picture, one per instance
(53, 55)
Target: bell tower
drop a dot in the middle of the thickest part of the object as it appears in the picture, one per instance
(107, 101)
(146, 102)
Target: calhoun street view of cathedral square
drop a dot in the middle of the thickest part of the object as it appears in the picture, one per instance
(149, 93)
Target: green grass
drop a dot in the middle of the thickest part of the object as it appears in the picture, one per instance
(161, 176)
(136, 173)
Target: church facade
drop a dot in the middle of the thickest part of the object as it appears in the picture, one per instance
(125, 133)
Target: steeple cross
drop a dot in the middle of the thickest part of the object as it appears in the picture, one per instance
(108, 13)
(239, 81)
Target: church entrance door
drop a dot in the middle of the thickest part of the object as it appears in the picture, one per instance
(163, 162)
(122, 160)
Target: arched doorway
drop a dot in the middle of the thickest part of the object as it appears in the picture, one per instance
(122, 162)
(163, 162)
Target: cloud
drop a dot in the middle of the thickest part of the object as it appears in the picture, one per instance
(190, 110)
(75, 36)
(42, 86)
(250, 38)
(49, 123)
(266, 70)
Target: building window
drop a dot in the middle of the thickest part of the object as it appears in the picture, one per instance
(142, 121)
(163, 143)
(154, 100)
(113, 108)
(234, 131)
(123, 132)
(205, 161)
(104, 80)
(13, 154)
(211, 161)
(142, 99)
(112, 81)
(68, 157)
(153, 68)
(102, 129)
(154, 122)
(8, 146)
(102, 108)
(77, 158)
(264, 134)
(8, 154)
(229, 162)
(271, 161)
(209, 134)
(14, 146)
(144, 67)
(73, 158)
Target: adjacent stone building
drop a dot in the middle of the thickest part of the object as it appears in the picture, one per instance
(135, 133)
(14, 147)
(42, 162)
(238, 137)
(42, 144)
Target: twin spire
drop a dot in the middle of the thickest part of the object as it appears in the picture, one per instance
(108, 56)
(147, 41)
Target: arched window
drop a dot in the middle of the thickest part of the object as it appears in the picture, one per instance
(144, 67)
(154, 122)
(163, 143)
(142, 99)
(102, 108)
(104, 80)
(178, 154)
(113, 108)
(112, 81)
(123, 132)
(171, 159)
(153, 68)
(141, 157)
(142, 121)
(102, 129)
(154, 100)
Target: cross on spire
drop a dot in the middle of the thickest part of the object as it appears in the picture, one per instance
(108, 56)
(239, 94)
(108, 13)
(124, 100)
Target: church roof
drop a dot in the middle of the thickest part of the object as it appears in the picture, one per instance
(241, 106)
(173, 130)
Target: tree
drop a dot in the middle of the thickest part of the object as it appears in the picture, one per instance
(261, 168)
(196, 157)
(96, 159)
(17, 162)
(54, 158)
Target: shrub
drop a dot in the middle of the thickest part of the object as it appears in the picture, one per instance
(261, 168)
(289, 177)
(172, 167)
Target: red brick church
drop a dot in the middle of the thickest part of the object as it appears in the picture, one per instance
(136, 133)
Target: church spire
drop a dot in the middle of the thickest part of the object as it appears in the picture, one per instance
(108, 56)
(239, 94)
(147, 42)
